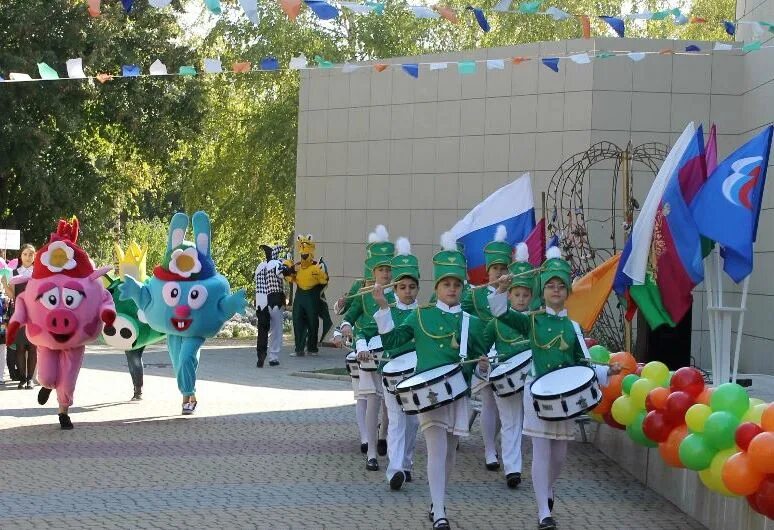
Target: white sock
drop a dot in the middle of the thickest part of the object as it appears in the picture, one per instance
(541, 474)
(451, 455)
(360, 413)
(489, 424)
(385, 423)
(558, 457)
(372, 422)
(437, 441)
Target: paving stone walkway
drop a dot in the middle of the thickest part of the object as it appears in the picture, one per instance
(265, 449)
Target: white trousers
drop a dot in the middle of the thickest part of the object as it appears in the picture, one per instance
(488, 423)
(401, 436)
(512, 419)
(276, 316)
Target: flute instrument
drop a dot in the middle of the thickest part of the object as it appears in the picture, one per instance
(510, 277)
(370, 288)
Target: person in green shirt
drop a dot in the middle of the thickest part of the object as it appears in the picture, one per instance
(438, 334)
(556, 343)
(497, 256)
(508, 343)
(402, 428)
(368, 344)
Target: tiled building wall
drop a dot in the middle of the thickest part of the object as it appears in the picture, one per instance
(417, 154)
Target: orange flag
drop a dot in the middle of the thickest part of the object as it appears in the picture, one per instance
(291, 8)
(447, 13)
(380, 67)
(585, 25)
(94, 9)
(241, 67)
(590, 293)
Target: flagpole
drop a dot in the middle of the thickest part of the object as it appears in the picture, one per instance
(740, 328)
(720, 328)
(708, 280)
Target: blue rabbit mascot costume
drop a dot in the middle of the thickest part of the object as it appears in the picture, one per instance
(186, 299)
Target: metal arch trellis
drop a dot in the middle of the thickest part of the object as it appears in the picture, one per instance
(567, 220)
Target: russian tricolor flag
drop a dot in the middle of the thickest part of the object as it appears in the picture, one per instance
(511, 206)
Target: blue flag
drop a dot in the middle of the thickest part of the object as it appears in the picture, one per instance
(727, 207)
(617, 24)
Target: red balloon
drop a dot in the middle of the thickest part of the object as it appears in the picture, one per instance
(677, 404)
(764, 497)
(745, 433)
(752, 501)
(612, 423)
(656, 427)
(689, 380)
(590, 342)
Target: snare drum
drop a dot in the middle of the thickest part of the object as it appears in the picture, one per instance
(373, 363)
(431, 389)
(398, 369)
(565, 393)
(509, 377)
(353, 370)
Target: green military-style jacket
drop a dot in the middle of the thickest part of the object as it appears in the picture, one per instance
(474, 301)
(355, 287)
(436, 333)
(399, 315)
(361, 312)
(552, 338)
(507, 341)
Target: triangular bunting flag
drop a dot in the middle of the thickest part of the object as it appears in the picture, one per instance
(270, 64)
(323, 10)
(480, 18)
(552, 63)
(298, 63)
(130, 70)
(158, 68)
(75, 68)
(46, 72)
(466, 67)
(495, 64)
(616, 23)
(411, 69)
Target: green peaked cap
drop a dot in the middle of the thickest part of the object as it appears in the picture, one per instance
(555, 267)
(404, 264)
(379, 251)
(499, 250)
(449, 263)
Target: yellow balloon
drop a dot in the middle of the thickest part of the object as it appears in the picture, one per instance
(696, 417)
(754, 414)
(714, 482)
(657, 372)
(756, 401)
(623, 410)
(639, 392)
(596, 417)
(719, 460)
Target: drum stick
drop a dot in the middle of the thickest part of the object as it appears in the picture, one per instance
(510, 276)
(365, 290)
(477, 359)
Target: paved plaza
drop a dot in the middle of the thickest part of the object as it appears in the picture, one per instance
(266, 449)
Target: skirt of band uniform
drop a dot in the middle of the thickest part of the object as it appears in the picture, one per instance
(369, 383)
(454, 417)
(535, 427)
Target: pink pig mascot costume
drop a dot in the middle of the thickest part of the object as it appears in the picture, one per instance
(63, 306)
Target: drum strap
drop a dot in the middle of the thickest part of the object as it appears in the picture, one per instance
(581, 340)
(464, 338)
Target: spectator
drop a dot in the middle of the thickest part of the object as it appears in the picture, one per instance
(26, 353)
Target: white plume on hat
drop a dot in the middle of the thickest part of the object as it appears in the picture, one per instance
(501, 233)
(553, 252)
(379, 235)
(448, 241)
(403, 246)
(522, 253)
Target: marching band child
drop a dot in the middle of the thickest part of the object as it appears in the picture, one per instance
(497, 256)
(556, 342)
(508, 343)
(439, 332)
(368, 344)
(402, 428)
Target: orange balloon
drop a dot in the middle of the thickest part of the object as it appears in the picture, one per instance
(740, 476)
(670, 450)
(704, 397)
(604, 406)
(626, 360)
(658, 397)
(761, 452)
(613, 388)
(767, 420)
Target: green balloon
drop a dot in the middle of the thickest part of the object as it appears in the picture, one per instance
(628, 381)
(599, 353)
(696, 453)
(634, 430)
(720, 429)
(730, 397)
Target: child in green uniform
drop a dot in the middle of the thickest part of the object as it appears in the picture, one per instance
(508, 343)
(555, 343)
(438, 333)
(368, 344)
(497, 254)
(402, 429)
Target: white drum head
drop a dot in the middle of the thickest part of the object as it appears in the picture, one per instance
(426, 376)
(562, 381)
(407, 361)
(508, 365)
(352, 356)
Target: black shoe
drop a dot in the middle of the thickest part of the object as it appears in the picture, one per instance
(43, 395)
(259, 364)
(551, 504)
(20, 386)
(397, 480)
(408, 476)
(273, 363)
(364, 447)
(311, 352)
(372, 464)
(442, 523)
(513, 480)
(493, 466)
(547, 524)
(381, 447)
(137, 393)
(64, 422)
